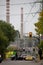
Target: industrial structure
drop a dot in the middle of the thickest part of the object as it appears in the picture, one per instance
(8, 11)
(24, 42)
(21, 22)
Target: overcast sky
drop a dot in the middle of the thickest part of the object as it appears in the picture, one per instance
(15, 14)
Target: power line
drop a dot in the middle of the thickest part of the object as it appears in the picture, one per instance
(34, 15)
(31, 8)
(20, 14)
(24, 3)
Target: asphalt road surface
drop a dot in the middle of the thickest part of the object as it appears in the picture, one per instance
(14, 62)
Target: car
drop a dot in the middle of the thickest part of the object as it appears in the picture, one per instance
(0, 59)
(29, 57)
(23, 56)
(12, 57)
(20, 58)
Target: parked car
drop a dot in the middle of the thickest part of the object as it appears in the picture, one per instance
(23, 56)
(12, 57)
(20, 58)
(28, 57)
(0, 59)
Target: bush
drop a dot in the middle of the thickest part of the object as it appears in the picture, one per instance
(41, 45)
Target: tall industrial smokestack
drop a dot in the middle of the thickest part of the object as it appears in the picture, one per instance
(42, 4)
(8, 11)
(21, 22)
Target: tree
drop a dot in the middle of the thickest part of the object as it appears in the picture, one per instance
(3, 43)
(7, 34)
(39, 27)
(41, 45)
(39, 24)
(8, 30)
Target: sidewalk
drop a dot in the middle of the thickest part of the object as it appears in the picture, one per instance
(38, 60)
(41, 62)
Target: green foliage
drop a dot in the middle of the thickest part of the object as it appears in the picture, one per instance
(39, 28)
(3, 39)
(41, 45)
(39, 24)
(8, 30)
(7, 34)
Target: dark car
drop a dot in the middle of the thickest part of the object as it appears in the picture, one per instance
(23, 56)
(13, 57)
(0, 59)
(19, 58)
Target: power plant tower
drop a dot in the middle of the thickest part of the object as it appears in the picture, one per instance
(21, 23)
(8, 11)
(42, 4)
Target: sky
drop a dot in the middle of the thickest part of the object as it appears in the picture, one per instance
(15, 14)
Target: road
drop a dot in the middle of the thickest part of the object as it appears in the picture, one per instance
(9, 62)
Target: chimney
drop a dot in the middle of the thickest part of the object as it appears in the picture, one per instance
(8, 11)
(21, 22)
